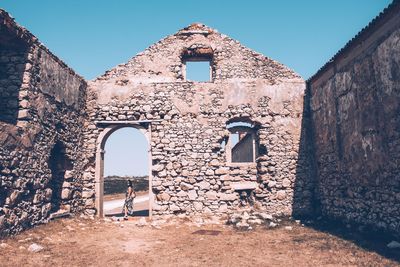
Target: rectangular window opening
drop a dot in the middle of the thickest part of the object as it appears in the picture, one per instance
(198, 71)
(242, 147)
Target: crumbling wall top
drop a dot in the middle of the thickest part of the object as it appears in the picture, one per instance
(165, 61)
(7, 22)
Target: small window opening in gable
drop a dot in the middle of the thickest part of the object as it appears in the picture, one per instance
(242, 142)
(198, 71)
(197, 63)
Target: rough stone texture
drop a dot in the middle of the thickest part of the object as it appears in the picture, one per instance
(42, 104)
(12, 67)
(355, 112)
(190, 170)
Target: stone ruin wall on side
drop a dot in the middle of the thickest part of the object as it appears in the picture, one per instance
(355, 112)
(42, 104)
(190, 170)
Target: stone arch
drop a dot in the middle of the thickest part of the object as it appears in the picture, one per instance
(99, 166)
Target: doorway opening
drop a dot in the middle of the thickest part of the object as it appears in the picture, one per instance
(126, 158)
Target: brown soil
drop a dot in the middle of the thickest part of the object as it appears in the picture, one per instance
(84, 242)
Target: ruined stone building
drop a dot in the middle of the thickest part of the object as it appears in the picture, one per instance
(194, 165)
(253, 135)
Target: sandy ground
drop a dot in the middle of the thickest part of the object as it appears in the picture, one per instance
(86, 242)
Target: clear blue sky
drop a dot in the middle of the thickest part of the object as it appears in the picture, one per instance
(92, 36)
(126, 153)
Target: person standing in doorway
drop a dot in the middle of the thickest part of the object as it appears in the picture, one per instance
(129, 197)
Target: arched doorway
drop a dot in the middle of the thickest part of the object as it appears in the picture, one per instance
(128, 158)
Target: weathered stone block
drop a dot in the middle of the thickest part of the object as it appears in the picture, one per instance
(209, 172)
(198, 206)
(227, 197)
(211, 195)
(204, 185)
(181, 194)
(66, 193)
(286, 183)
(158, 167)
(87, 193)
(186, 186)
(163, 197)
(23, 114)
(281, 194)
(174, 207)
(222, 170)
(192, 194)
(13, 198)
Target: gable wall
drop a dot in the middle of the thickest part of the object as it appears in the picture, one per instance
(190, 170)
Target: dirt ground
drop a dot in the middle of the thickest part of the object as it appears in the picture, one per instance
(95, 242)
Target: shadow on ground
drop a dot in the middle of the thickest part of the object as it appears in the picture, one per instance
(138, 213)
(367, 239)
(307, 198)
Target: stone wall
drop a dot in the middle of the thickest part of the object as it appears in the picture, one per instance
(187, 123)
(11, 69)
(355, 107)
(40, 139)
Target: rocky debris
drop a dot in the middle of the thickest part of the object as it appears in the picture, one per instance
(4, 245)
(35, 248)
(272, 224)
(266, 216)
(394, 245)
(25, 240)
(116, 219)
(87, 216)
(142, 222)
(59, 214)
(246, 220)
(157, 224)
(106, 219)
(242, 224)
(212, 219)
